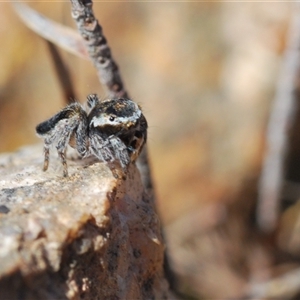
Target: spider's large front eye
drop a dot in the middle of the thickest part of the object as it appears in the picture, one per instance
(111, 118)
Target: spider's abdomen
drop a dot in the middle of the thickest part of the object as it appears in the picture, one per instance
(73, 109)
(48, 125)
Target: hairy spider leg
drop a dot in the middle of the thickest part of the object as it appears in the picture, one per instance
(120, 150)
(92, 101)
(46, 157)
(63, 138)
(59, 129)
(101, 148)
(81, 135)
(48, 140)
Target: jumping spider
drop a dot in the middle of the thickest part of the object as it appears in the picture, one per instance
(111, 129)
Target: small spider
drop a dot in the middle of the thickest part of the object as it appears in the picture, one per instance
(111, 129)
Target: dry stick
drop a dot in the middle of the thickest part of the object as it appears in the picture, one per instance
(62, 73)
(281, 118)
(97, 46)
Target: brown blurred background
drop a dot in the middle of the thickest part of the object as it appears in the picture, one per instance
(205, 74)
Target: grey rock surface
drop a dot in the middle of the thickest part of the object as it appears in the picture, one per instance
(88, 236)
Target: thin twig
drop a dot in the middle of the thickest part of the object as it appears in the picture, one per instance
(281, 118)
(98, 48)
(63, 74)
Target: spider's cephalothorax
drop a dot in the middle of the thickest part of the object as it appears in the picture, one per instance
(111, 129)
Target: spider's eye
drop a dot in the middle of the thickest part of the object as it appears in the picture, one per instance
(111, 118)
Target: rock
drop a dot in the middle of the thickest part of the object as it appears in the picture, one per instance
(87, 236)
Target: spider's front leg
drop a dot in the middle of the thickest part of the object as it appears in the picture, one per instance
(110, 149)
(58, 130)
(120, 150)
(100, 147)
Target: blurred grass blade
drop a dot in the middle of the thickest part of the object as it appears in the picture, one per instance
(282, 118)
(56, 33)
